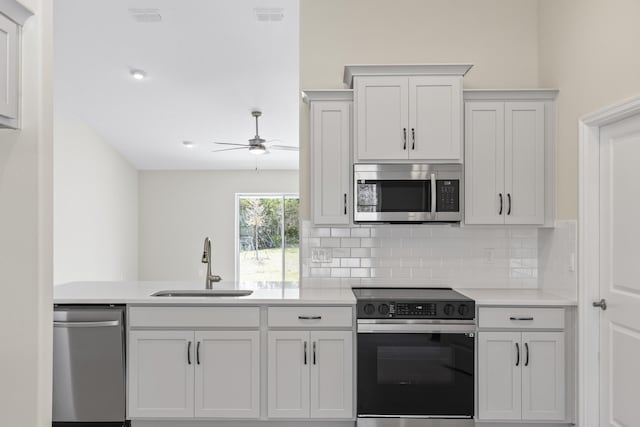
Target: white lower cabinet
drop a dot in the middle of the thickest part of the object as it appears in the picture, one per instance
(521, 376)
(161, 374)
(310, 374)
(182, 374)
(227, 380)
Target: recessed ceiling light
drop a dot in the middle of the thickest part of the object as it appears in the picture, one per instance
(188, 144)
(138, 74)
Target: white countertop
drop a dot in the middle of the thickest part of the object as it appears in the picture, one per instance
(140, 293)
(517, 297)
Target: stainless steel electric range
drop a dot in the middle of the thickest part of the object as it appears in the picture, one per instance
(415, 357)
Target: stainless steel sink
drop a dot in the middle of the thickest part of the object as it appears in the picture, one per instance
(203, 293)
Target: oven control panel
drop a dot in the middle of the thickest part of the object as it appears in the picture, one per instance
(415, 310)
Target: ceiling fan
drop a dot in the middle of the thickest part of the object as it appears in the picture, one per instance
(256, 144)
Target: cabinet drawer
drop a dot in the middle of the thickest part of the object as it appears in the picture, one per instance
(521, 317)
(310, 317)
(194, 317)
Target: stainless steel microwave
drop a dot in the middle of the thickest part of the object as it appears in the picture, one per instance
(405, 193)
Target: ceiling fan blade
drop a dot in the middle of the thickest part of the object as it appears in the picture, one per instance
(228, 149)
(284, 147)
(230, 143)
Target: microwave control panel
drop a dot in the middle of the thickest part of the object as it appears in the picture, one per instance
(448, 195)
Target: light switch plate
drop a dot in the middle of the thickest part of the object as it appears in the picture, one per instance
(321, 255)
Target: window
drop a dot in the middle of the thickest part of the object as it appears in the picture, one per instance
(268, 245)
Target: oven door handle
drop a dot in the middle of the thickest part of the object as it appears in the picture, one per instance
(395, 328)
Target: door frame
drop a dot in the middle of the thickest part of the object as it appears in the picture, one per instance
(588, 253)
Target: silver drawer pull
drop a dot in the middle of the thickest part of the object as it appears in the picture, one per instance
(521, 318)
(309, 317)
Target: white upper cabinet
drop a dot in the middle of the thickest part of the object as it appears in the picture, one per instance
(407, 112)
(509, 157)
(382, 108)
(12, 17)
(330, 159)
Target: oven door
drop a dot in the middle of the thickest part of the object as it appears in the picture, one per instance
(406, 370)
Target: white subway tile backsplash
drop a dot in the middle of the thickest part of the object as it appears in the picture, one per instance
(350, 242)
(360, 252)
(350, 262)
(320, 232)
(341, 252)
(330, 242)
(340, 232)
(425, 255)
(360, 232)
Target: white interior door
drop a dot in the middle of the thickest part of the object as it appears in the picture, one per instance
(227, 377)
(619, 282)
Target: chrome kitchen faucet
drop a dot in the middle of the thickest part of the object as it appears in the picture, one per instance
(206, 259)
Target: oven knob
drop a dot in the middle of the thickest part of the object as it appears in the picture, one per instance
(383, 309)
(369, 309)
(449, 309)
(463, 309)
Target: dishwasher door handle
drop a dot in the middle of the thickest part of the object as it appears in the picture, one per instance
(102, 324)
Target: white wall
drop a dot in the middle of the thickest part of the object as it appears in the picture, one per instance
(25, 237)
(178, 209)
(588, 49)
(498, 36)
(95, 207)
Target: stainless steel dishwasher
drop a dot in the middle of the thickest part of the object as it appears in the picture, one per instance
(89, 365)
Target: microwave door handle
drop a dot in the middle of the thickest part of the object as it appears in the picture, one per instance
(433, 196)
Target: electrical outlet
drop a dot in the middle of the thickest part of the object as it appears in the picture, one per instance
(489, 255)
(321, 255)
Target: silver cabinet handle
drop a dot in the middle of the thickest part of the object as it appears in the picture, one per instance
(509, 199)
(102, 324)
(309, 317)
(521, 318)
(305, 353)
(433, 193)
(413, 138)
(345, 203)
(189, 353)
(517, 354)
(500, 212)
(314, 352)
(198, 353)
(404, 138)
(602, 304)
(526, 360)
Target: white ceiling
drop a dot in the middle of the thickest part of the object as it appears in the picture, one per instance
(208, 62)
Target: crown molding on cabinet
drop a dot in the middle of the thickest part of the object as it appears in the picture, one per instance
(510, 94)
(404, 70)
(327, 95)
(15, 11)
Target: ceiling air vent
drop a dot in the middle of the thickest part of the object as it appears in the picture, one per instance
(269, 14)
(146, 16)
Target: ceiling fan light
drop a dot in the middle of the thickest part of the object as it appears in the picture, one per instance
(259, 150)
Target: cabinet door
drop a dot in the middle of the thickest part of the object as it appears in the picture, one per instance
(435, 118)
(331, 374)
(543, 376)
(330, 138)
(524, 162)
(485, 197)
(382, 118)
(288, 374)
(227, 374)
(499, 375)
(161, 366)
(8, 68)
